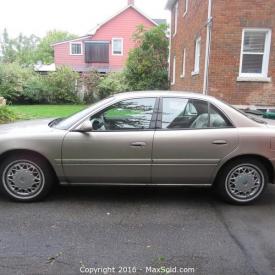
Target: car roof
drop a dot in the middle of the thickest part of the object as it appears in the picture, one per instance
(139, 94)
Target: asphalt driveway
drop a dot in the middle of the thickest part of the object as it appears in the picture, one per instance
(137, 227)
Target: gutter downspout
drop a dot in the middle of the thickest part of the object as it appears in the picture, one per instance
(207, 48)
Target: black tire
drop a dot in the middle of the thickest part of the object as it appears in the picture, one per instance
(225, 183)
(36, 177)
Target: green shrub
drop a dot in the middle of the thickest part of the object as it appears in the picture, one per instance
(36, 91)
(23, 85)
(7, 115)
(62, 85)
(88, 84)
(111, 84)
(12, 81)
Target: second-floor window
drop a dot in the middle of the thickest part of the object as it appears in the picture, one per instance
(185, 7)
(255, 53)
(76, 48)
(197, 56)
(176, 11)
(117, 46)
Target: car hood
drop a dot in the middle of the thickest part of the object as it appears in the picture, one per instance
(27, 126)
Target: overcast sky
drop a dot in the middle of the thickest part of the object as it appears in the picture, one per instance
(75, 16)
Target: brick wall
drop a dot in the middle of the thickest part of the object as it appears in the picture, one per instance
(190, 26)
(230, 17)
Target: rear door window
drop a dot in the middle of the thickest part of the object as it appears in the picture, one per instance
(182, 113)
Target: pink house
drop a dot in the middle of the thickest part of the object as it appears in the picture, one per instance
(106, 47)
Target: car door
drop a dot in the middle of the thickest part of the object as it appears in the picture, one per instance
(192, 136)
(117, 150)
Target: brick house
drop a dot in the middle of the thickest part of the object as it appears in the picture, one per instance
(225, 49)
(106, 47)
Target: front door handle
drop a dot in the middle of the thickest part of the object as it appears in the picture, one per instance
(138, 144)
(219, 142)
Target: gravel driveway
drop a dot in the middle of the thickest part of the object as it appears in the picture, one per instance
(137, 227)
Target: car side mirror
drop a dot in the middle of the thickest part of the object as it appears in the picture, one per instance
(86, 126)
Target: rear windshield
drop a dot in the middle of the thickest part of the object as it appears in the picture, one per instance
(250, 116)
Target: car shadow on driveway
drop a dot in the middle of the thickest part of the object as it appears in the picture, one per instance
(143, 194)
(126, 194)
(132, 194)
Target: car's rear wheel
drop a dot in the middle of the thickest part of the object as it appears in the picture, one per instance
(242, 181)
(25, 178)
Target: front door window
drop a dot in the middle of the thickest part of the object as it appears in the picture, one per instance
(131, 114)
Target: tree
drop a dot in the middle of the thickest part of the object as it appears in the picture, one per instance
(28, 50)
(112, 83)
(20, 49)
(44, 51)
(147, 64)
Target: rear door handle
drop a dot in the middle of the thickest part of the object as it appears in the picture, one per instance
(219, 142)
(138, 144)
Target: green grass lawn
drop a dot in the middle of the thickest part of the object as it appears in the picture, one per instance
(45, 111)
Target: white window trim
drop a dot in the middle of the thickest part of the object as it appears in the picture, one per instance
(183, 64)
(186, 7)
(122, 46)
(197, 57)
(176, 18)
(81, 46)
(173, 82)
(263, 77)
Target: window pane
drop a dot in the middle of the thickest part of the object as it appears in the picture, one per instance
(252, 63)
(173, 113)
(181, 113)
(117, 46)
(183, 63)
(254, 41)
(197, 55)
(186, 6)
(126, 115)
(217, 119)
(174, 71)
(176, 17)
(200, 119)
(76, 48)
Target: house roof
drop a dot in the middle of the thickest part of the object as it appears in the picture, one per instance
(170, 4)
(71, 40)
(94, 30)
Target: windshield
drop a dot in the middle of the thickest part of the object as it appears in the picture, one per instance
(66, 123)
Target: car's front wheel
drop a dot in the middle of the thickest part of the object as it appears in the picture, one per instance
(242, 181)
(25, 178)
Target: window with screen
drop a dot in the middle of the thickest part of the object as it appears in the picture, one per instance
(76, 48)
(117, 46)
(255, 52)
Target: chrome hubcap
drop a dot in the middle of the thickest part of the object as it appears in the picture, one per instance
(245, 182)
(23, 179)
